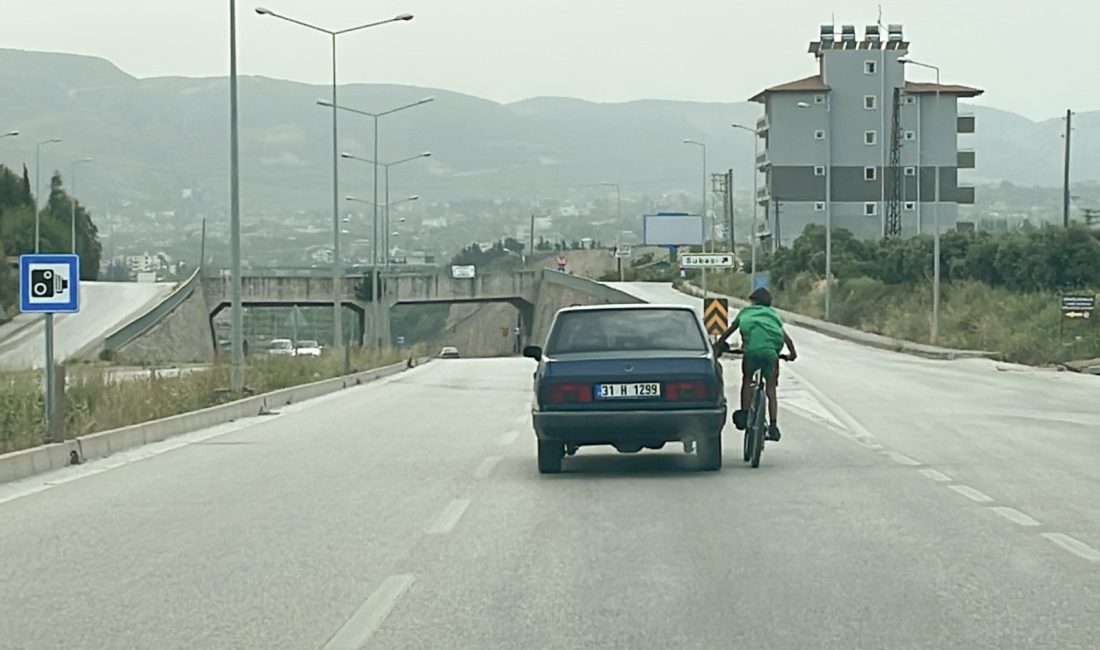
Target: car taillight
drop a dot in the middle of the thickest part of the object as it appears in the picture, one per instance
(562, 393)
(682, 391)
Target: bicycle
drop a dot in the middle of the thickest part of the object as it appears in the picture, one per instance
(756, 425)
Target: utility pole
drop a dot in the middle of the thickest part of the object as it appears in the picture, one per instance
(730, 210)
(775, 238)
(719, 186)
(531, 235)
(1065, 172)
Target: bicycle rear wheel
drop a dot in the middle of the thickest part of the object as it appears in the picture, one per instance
(756, 424)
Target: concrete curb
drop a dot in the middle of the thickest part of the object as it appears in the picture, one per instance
(863, 338)
(36, 460)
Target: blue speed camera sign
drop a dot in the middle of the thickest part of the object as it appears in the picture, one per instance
(49, 284)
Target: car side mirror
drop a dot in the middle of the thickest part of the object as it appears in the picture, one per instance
(533, 352)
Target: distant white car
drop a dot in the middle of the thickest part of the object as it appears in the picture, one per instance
(448, 352)
(308, 349)
(280, 348)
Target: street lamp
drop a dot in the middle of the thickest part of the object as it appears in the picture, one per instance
(828, 203)
(337, 327)
(9, 134)
(935, 333)
(704, 196)
(72, 202)
(38, 189)
(619, 234)
(386, 213)
(755, 200)
(377, 235)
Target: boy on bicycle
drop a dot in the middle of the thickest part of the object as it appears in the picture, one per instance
(762, 339)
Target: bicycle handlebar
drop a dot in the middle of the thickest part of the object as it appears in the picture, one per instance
(740, 352)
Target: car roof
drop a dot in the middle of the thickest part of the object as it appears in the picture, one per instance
(627, 307)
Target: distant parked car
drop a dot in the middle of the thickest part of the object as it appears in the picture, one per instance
(448, 352)
(280, 348)
(308, 349)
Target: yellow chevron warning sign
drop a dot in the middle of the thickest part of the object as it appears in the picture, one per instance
(716, 315)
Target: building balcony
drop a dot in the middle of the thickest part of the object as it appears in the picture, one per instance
(761, 125)
(763, 194)
(966, 123)
(762, 160)
(966, 159)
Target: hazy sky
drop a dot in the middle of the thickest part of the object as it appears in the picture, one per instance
(1035, 58)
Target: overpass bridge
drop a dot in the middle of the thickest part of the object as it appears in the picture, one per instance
(181, 328)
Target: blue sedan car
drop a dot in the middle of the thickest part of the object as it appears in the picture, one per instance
(630, 376)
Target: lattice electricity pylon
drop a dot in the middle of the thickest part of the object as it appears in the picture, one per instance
(893, 207)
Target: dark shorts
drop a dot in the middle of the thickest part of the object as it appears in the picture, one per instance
(766, 361)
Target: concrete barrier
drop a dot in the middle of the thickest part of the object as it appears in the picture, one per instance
(858, 336)
(29, 462)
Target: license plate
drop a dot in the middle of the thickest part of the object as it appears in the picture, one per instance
(628, 391)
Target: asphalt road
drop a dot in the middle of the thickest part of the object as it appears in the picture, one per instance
(104, 307)
(911, 504)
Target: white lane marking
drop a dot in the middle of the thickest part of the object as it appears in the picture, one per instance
(901, 459)
(508, 438)
(366, 620)
(447, 519)
(935, 475)
(486, 467)
(856, 431)
(1014, 515)
(1075, 546)
(971, 493)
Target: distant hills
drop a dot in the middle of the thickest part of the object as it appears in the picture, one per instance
(155, 138)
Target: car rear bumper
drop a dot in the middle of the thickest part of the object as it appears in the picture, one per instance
(609, 427)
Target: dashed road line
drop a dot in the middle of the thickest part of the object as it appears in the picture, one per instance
(935, 475)
(971, 493)
(486, 467)
(1014, 515)
(508, 438)
(366, 620)
(447, 519)
(1073, 545)
(901, 459)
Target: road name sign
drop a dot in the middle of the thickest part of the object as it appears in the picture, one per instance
(622, 252)
(463, 272)
(716, 315)
(706, 260)
(49, 284)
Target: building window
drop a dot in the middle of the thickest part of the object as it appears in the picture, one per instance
(819, 170)
(870, 209)
(870, 102)
(819, 135)
(910, 100)
(819, 99)
(910, 171)
(870, 67)
(819, 206)
(870, 173)
(870, 137)
(910, 136)
(910, 206)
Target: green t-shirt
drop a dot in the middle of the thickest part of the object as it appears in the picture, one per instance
(761, 329)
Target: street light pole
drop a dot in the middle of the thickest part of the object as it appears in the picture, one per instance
(619, 234)
(755, 201)
(72, 204)
(376, 309)
(38, 191)
(935, 329)
(9, 134)
(706, 238)
(236, 317)
(337, 270)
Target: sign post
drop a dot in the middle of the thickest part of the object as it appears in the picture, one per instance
(1075, 307)
(50, 284)
(622, 253)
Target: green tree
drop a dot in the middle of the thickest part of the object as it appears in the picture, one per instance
(59, 212)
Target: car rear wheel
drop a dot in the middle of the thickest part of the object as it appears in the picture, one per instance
(709, 451)
(550, 455)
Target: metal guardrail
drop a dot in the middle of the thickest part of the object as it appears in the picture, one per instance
(142, 324)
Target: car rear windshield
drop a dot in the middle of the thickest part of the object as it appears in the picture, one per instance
(620, 330)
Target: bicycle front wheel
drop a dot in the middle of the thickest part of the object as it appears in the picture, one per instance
(757, 426)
